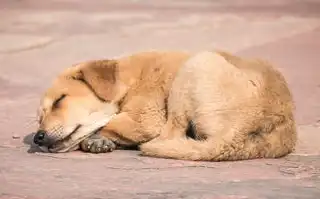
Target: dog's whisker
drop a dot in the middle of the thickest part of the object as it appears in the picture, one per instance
(30, 123)
(31, 116)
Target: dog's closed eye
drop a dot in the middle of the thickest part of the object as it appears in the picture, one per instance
(57, 101)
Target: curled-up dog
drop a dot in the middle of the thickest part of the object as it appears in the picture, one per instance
(236, 108)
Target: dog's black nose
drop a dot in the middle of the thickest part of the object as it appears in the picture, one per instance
(40, 137)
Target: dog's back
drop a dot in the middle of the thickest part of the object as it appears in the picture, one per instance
(241, 108)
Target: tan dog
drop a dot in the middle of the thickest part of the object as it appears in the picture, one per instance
(240, 109)
(128, 92)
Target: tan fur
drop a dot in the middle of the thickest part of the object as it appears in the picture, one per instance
(135, 87)
(240, 109)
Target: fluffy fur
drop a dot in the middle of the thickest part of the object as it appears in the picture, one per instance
(239, 109)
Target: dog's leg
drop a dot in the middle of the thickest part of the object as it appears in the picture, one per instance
(134, 127)
(97, 144)
(125, 131)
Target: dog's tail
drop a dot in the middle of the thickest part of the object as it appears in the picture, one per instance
(179, 148)
(278, 142)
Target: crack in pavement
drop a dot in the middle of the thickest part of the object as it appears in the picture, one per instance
(33, 46)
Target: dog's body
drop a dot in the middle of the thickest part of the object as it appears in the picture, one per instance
(239, 109)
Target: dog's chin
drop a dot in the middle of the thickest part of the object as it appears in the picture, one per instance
(62, 147)
(79, 133)
(70, 143)
(58, 148)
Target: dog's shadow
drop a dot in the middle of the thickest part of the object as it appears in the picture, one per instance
(28, 140)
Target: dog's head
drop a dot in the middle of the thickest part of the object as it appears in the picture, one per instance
(80, 101)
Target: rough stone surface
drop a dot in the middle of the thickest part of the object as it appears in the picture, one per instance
(38, 39)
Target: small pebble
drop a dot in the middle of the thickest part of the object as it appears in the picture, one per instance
(15, 136)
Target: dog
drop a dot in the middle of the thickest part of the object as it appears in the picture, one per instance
(236, 108)
(98, 106)
(240, 109)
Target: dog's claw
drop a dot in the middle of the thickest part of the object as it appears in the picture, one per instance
(97, 144)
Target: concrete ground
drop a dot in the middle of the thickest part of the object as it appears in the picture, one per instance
(38, 39)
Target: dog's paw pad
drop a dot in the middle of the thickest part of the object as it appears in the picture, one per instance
(97, 145)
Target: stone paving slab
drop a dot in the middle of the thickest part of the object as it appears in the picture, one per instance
(38, 39)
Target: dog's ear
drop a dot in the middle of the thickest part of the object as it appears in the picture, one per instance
(102, 78)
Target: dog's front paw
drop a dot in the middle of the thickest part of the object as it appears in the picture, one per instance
(97, 144)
